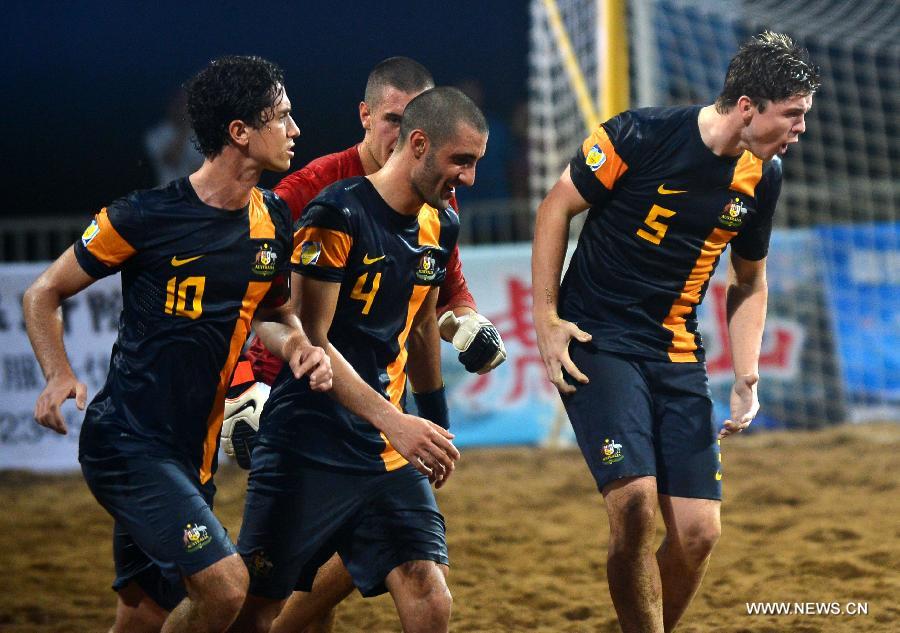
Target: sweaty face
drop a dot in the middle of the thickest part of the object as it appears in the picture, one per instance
(272, 144)
(779, 125)
(449, 166)
(382, 124)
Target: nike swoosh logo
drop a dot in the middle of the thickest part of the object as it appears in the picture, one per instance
(719, 476)
(371, 260)
(182, 262)
(665, 192)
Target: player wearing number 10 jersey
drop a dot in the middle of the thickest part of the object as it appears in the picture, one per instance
(199, 258)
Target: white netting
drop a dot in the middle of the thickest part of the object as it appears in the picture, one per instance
(556, 124)
(834, 263)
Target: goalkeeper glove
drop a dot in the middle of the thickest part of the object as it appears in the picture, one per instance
(477, 340)
(243, 406)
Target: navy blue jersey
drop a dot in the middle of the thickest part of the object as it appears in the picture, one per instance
(192, 277)
(664, 207)
(385, 263)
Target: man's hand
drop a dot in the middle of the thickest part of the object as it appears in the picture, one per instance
(479, 344)
(553, 337)
(305, 358)
(423, 444)
(58, 390)
(744, 405)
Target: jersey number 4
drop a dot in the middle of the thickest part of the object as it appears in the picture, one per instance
(659, 229)
(366, 295)
(185, 298)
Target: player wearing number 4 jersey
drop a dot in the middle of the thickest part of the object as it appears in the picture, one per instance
(350, 474)
(199, 259)
(668, 189)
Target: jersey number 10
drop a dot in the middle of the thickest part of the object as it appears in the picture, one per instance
(185, 298)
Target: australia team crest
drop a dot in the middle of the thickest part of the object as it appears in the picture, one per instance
(264, 264)
(427, 269)
(734, 213)
(612, 452)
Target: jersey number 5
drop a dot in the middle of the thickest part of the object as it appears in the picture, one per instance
(368, 296)
(188, 292)
(658, 227)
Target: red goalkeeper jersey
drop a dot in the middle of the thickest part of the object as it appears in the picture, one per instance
(297, 190)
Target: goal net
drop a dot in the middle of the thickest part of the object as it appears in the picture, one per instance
(832, 346)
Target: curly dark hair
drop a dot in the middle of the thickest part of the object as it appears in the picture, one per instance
(235, 87)
(768, 67)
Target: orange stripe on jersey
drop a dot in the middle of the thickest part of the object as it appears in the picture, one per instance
(429, 226)
(261, 225)
(322, 247)
(601, 157)
(107, 245)
(256, 290)
(747, 174)
(397, 373)
(683, 342)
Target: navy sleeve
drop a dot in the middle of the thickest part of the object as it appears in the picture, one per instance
(112, 238)
(602, 158)
(323, 241)
(753, 242)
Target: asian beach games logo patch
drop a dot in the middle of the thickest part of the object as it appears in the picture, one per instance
(309, 253)
(733, 213)
(90, 233)
(264, 264)
(612, 452)
(595, 158)
(195, 537)
(427, 269)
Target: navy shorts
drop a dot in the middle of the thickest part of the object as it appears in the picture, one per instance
(164, 529)
(297, 515)
(644, 417)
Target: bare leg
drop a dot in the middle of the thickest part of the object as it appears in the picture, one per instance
(136, 612)
(632, 571)
(692, 528)
(214, 598)
(256, 615)
(420, 593)
(313, 612)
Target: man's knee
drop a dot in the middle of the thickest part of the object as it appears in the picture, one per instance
(631, 505)
(220, 589)
(424, 582)
(697, 540)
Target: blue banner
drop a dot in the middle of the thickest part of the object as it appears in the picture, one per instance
(862, 277)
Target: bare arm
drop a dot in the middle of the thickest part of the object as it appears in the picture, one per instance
(551, 235)
(424, 364)
(280, 330)
(416, 439)
(747, 297)
(43, 321)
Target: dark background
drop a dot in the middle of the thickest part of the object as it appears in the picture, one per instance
(83, 81)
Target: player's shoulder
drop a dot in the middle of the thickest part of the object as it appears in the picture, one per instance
(773, 169)
(345, 198)
(277, 208)
(446, 216)
(332, 167)
(147, 203)
(645, 123)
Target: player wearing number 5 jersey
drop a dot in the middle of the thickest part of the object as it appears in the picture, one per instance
(200, 258)
(668, 189)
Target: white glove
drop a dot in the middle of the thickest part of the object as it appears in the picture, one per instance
(241, 422)
(477, 340)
